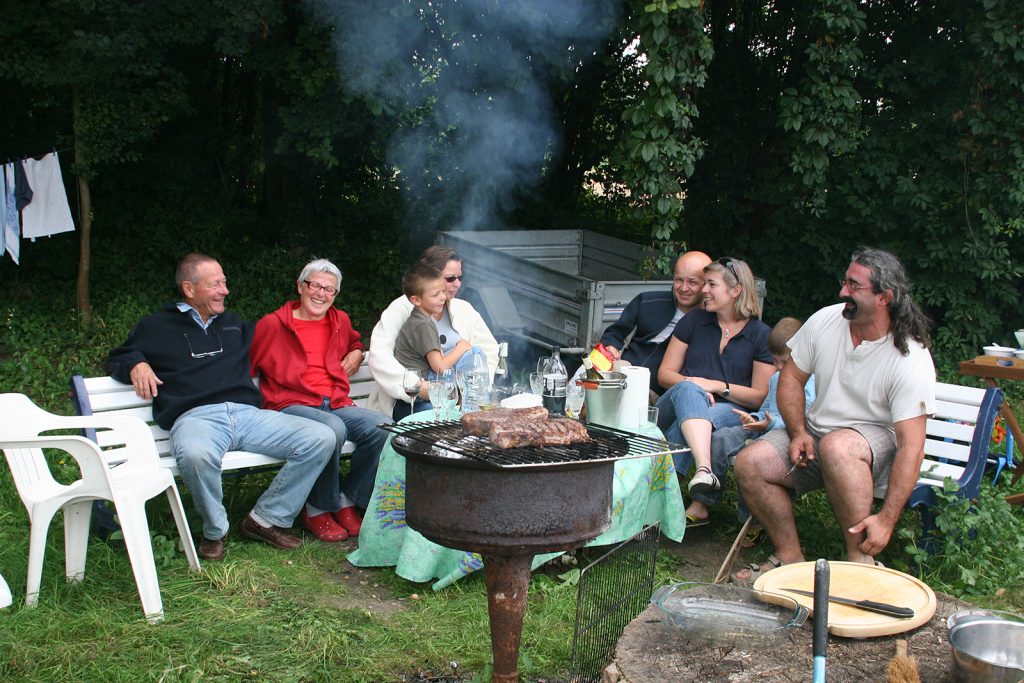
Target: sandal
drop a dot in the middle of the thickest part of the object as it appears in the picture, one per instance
(755, 571)
(704, 481)
(692, 522)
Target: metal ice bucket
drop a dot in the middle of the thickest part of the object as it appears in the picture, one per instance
(603, 400)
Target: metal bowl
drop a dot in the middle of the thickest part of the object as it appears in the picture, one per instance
(988, 645)
(728, 614)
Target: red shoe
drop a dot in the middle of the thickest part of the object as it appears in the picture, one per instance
(350, 519)
(323, 527)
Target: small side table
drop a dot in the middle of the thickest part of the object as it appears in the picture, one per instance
(989, 369)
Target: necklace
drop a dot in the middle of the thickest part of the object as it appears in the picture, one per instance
(725, 331)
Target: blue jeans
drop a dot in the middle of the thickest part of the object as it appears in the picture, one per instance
(355, 424)
(687, 401)
(200, 437)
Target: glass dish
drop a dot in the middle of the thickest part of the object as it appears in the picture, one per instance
(728, 614)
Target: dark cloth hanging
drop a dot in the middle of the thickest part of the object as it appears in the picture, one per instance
(22, 190)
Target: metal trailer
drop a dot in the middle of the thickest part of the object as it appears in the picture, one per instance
(552, 287)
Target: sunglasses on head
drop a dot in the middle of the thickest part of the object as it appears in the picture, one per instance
(728, 263)
(452, 278)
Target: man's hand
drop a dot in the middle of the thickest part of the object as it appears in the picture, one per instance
(801, 450)
(614, 352)
(877, 533)
(145, 381)
(464, 345)
(350, 363)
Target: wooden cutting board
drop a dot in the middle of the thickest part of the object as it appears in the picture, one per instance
(858, 582)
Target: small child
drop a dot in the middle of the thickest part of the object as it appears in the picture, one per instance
(727, 442)
(418, 344)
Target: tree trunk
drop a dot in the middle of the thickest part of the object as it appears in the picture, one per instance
(84, 214)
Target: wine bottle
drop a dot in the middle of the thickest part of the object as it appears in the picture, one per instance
(591, 372)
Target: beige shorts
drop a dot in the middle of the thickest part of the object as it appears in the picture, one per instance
(881, 441)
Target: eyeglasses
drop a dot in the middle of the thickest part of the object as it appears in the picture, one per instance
(728, 263)
(851, 285)
(452, 278)
(317, 287)
(205, 354)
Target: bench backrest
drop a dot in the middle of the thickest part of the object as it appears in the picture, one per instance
(96, 395)
(957, 439)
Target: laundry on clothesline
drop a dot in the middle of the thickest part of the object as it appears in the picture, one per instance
(48, 213)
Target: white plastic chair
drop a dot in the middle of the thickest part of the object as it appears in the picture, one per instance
(128, 475)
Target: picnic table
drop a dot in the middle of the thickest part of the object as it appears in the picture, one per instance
(990, 369)
(644, 491)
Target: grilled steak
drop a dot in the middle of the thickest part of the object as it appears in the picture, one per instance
(554, 431)
(479, 422)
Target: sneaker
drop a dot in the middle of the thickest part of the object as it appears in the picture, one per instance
(323, 527)
(350, 519)
(704, 481)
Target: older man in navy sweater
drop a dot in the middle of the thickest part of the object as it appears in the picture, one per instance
(651, 316)
(192, 359)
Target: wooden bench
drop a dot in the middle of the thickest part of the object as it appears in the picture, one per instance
(105, 395)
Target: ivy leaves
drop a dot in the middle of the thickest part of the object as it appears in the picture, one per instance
(659, 150)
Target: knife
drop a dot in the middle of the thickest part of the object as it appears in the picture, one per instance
(868, 605)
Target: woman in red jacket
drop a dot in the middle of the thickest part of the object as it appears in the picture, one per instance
(303, 354)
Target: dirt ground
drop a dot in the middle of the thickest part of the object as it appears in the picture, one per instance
(652, 652)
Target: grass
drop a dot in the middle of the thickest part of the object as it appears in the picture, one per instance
(263, 615)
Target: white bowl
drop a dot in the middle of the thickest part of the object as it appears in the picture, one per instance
(1019, 353)
(1001, 351)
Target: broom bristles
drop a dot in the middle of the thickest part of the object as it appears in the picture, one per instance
(902, 668)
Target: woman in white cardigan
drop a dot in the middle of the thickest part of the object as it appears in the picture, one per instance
(458, 316)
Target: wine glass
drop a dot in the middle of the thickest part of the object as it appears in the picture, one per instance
(544, 365)
(574, 397)
(438, 391)
(537, 383)
(411, 381)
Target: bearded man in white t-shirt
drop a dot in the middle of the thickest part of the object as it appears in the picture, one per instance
(866, 428)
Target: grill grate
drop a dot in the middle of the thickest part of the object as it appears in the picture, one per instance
(445, 439)
(613, 590)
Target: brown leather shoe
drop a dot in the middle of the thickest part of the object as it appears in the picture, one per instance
(211, 549)
(272, 535)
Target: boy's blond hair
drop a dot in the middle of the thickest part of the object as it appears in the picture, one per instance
(782, 333)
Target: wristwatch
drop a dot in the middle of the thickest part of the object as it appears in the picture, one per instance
(726, 391)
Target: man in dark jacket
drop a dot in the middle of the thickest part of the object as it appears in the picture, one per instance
(651, 316)
(192, 359)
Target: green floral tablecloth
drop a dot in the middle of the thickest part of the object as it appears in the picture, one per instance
(645, 491)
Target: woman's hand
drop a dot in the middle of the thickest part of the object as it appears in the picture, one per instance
(351, 362)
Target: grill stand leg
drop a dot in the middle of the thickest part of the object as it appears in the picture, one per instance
(508, 578)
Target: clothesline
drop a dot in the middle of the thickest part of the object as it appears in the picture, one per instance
(37, 156)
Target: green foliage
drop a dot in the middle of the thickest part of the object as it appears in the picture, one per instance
(980, 544)
(657, 148)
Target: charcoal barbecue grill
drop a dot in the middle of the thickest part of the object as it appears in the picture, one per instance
(509, 505)
(444, 440)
